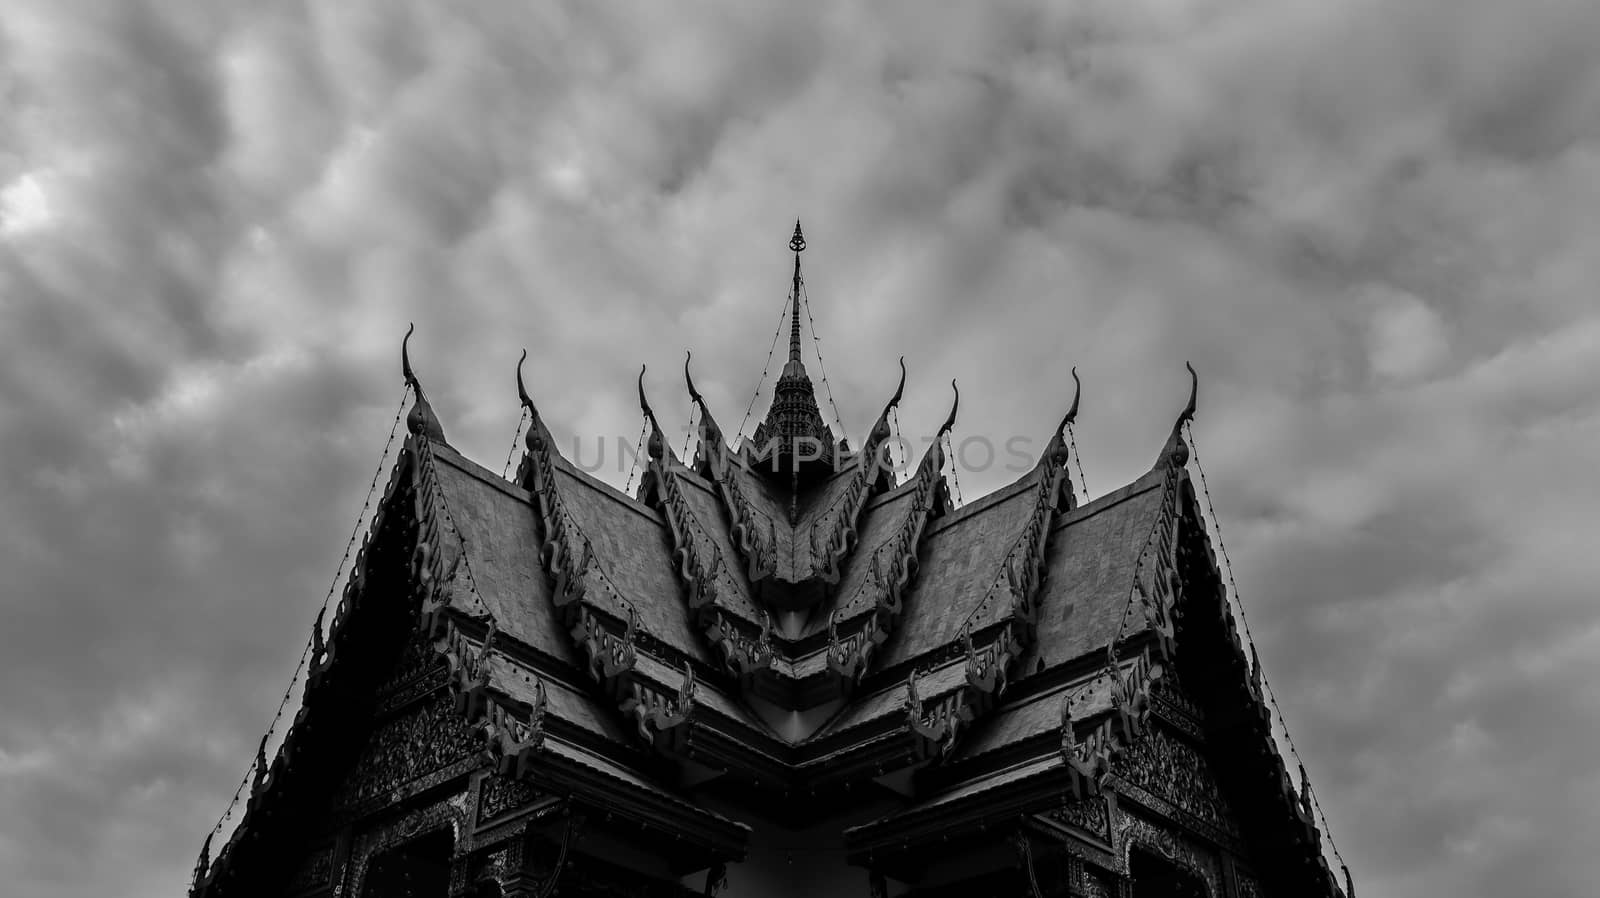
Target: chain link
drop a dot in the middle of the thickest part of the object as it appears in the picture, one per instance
(515, 436)
(782, 314)
(955, 463)
(821, 368)
(1072, 442)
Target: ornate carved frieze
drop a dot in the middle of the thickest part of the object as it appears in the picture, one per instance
(1136, 832)
(1170, 768)
(407, 747)
(500, 795)
(1173, 704)
(1089, 755)
(449, 813)
(658, 712)
(934, 723)
(1088, 814)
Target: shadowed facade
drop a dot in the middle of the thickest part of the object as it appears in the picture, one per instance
(776, 670)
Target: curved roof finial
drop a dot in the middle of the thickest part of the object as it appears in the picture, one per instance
(657, 446)
(522, 389)
(694, 395)
(1194, 392)
(900, 390)
(421, 420)
(1176, 452)
(951, 421)
(405, 357)
(1077, 393)
(644, 404)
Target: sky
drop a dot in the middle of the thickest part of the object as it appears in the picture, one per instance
(1373, 227)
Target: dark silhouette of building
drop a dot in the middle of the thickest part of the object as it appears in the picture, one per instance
(776, 671)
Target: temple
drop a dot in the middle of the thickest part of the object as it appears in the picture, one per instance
(779, 669)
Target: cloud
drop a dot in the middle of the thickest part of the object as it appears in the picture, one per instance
(1370, 225)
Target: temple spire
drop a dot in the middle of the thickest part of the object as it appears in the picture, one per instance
(798, 244)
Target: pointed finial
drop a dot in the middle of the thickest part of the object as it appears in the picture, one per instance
(694, 395)
(644, 404)
(798, 244)
(656, 448)
(405, 356)
(1194, 393)
(951, 421)
(880, 429)
(1077, 393)
(421, 421)
(522, 389)
(1176, 452)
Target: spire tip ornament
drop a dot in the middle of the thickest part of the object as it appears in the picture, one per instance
(421, 421)
(798, 241)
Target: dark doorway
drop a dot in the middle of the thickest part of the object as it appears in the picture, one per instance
(1156, 877)
(418, 869)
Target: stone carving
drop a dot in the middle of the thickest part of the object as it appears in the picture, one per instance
(1088, 814)
(416, 659)
(1170, 768)
(407, 747)
(499, 795)
(449, 813)
(1248, 887)
(1136, 831)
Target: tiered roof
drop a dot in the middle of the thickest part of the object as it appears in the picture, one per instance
(781, 633)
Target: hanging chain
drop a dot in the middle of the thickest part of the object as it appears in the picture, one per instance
(688, 432)
(1072, 441)
(638, 452)
(516, 435)
(897, 437)
(305, 653)
(782, 313)
(805, 301)
(1283, 722)
(955, 479)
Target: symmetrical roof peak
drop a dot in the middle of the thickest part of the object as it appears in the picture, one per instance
(794, 420)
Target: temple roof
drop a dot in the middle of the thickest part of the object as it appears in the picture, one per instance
(792, 633)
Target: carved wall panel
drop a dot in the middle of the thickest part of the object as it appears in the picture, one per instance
(1170, 768)
(1172, 702)
(449, 813)
(1088, 814)
(1165, 842)
(406, 748)
(499, 795)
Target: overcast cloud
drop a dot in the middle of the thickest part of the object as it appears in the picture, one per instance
(1373, 226)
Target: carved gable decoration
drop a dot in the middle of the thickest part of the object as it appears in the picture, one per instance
(406, 748)
(1170, 768)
